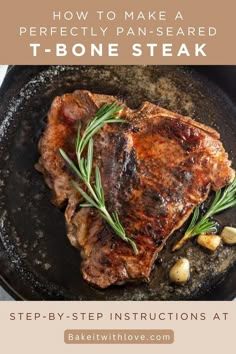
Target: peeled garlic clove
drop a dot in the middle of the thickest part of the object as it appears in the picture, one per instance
(229, 235)
(180, 272)
(210, 242)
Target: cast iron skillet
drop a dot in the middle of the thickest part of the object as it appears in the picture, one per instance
(36, 259)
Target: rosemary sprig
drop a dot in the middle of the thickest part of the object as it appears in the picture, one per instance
(95, 196)
(224, 199)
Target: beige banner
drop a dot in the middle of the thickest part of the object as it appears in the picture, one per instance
(118, 32)
(183, 327)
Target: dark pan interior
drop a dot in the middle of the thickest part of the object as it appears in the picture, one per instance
(36, 259)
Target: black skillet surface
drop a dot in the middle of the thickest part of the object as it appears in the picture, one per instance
(36, 259)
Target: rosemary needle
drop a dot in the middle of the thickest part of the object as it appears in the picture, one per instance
(224, 199)
(95, 196)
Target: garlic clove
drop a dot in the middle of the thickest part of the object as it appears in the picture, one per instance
(229, 235)
(180, 271)
(210, 242)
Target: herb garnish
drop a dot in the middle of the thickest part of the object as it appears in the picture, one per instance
(224, 199)
(106, 114)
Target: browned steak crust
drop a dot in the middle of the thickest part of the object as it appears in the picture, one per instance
(156, 167)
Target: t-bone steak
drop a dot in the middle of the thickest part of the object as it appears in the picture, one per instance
(156, 167)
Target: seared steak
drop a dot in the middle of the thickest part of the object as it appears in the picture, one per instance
(156, 168)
